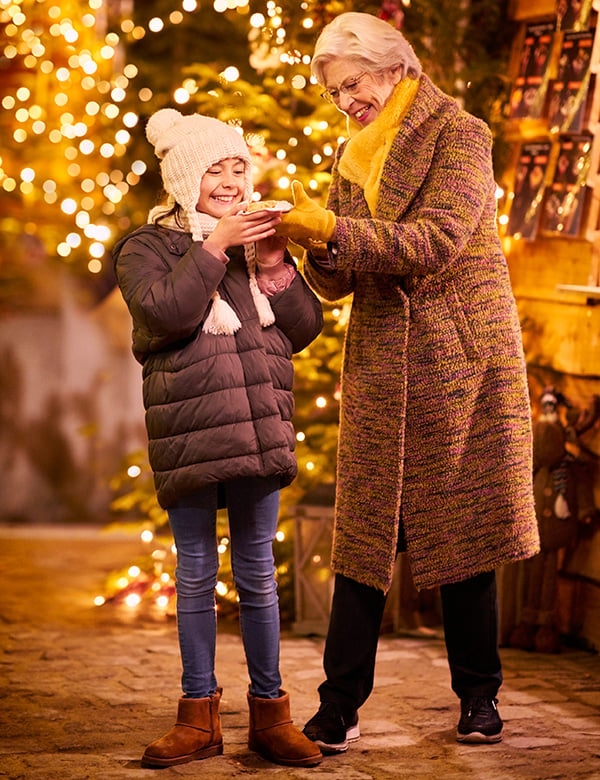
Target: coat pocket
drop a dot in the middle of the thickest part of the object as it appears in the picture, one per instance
(468, 338)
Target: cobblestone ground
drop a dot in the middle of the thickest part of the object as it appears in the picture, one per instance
(84, 689)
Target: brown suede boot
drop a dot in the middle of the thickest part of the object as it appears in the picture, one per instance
(196, 734)
(273, 735)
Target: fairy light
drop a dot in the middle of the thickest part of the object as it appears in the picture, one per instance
(181, 96)
(156, 24)
(231, 73)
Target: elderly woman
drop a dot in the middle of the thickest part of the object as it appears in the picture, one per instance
(435, 431)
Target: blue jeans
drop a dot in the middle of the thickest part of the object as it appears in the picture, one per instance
(253, 507)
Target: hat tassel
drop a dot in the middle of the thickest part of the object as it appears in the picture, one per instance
(261, 302)
(221, 320)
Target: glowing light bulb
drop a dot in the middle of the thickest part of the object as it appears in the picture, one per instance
(97, 249)
(156, 24)
(130, 119)
(68, 206)
(181, 96)
(231, 73)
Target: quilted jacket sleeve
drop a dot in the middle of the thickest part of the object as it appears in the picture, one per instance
(167, 293)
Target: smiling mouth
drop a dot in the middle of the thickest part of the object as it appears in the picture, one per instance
(358, 115)
(224, 198)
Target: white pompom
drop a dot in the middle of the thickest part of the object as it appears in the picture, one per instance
(261, 304)
(161, 122)
(221, 320)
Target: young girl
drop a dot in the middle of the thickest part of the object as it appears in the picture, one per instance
(218, 309)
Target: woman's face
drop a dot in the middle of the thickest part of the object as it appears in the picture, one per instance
(223, 184)
(368, 92)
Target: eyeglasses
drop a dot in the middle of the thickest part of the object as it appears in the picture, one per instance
(349, 88)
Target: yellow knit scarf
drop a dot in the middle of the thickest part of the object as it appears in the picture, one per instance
(365, 154)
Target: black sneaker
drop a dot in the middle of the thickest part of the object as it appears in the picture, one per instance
(328, 729)
(479, 721)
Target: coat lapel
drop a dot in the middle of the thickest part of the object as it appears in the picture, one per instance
(404, 171)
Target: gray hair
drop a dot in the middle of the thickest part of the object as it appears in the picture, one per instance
(370, 42)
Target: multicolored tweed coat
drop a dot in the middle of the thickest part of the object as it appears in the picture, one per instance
(435, 423)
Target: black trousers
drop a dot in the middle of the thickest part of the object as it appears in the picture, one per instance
(470, 614)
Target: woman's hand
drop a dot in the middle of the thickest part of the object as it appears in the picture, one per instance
(237, 227)
(307, 224)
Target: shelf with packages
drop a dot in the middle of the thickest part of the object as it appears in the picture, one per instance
(553, 178)
(549, 214)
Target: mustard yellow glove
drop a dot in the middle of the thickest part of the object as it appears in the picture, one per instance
(307, 224)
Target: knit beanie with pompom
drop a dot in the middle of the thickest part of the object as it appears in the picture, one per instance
(187, 146)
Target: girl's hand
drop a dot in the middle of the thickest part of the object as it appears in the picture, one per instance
(235, 227)
(270, 251)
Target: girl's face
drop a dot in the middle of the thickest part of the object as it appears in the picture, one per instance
(223, 185)
(359, 95)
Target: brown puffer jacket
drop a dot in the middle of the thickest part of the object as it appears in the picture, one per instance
(217, 407)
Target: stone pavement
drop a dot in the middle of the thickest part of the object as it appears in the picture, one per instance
(84, 688)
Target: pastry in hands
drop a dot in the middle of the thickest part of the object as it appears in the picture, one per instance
(270, 205)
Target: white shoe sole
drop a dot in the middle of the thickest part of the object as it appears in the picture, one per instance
(477, 738)
(352, 735)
